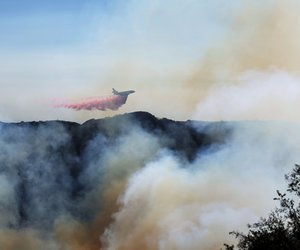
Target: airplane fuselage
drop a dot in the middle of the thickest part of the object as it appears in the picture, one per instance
(123, 93)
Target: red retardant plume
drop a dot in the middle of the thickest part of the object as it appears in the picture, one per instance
(100, 103)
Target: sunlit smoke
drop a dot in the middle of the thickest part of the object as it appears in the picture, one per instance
(174, 205)
(271, 95)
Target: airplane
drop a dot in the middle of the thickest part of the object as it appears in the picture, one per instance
(123, 93)
(112, 102)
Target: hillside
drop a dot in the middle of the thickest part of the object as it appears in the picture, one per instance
(134, 181)
(51, 169)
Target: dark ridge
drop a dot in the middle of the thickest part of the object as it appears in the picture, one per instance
(184, 138)
(52, 155)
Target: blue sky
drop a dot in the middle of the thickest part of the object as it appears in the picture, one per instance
(33, 24)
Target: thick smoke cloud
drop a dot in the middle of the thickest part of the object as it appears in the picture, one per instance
(167, 207)
(174, 205)
(53, 199)
(128, 188)
(123, 186)
(36, 185)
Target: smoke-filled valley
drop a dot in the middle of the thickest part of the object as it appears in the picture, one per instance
(137, 182)
(134, 181)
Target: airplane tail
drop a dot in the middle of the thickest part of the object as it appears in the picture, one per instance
(115, 92)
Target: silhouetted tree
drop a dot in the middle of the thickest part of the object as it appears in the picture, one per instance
(281, 230)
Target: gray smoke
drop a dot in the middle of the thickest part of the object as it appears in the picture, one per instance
(125, 183)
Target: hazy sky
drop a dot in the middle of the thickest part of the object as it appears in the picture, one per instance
(171, 52)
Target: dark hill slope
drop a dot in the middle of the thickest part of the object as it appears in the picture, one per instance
(48, 168)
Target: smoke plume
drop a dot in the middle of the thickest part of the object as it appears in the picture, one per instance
(136, 182)
(270, 95)
(170, 204)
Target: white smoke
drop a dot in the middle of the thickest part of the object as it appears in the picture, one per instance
(171, 204)
(270, 95)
